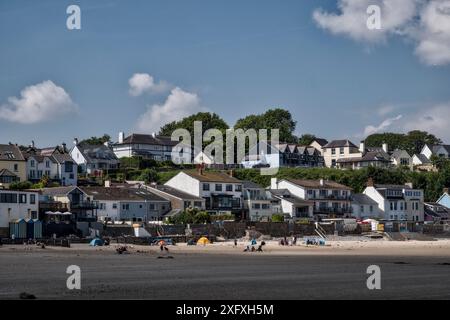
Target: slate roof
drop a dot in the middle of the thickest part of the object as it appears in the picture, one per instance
(315, 184)
(362, 199)
(321, 141)
(6, 173)
(121, 194)
(96, 152)
(250, 185)
(423, 158)
(10, 152)
(339, 143)
(148, 139)
(211, 176)
(176, 193)
(286, 195)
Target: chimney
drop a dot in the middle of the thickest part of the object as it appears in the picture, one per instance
(445, 190)
(107, 183)
(362, 147)
(231, 173)
(385, 147)
(321, 182)
(64, 149)
(274, 183)
(75, 141)
(121, 137)
(154, 134)
(370, 182)
(32, 143)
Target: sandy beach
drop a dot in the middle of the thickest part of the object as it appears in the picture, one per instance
(410, 269)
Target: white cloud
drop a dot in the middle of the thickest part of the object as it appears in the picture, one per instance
(426, 23)
(143, 82)
(386, 124)
(38, 103)
(433, 119)
(178, 104)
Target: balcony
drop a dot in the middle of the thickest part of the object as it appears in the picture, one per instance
(331, 210)
(329, 197)
(53, 206)
(86, 205)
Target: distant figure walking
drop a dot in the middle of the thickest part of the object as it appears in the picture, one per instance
(235, 243)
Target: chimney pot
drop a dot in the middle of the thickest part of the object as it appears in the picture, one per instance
(370, 182)
(121, 137)
(445, 190)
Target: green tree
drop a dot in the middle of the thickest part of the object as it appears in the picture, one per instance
(306, 139)
(97, 140)
(209, 121)
(272, 119)
(148, 175)
(412, 142)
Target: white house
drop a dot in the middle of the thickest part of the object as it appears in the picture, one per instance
(257, 202)
(330, 199)
(365, 207)
(16, 205)
(127, 203)
(94, 159)
(222, 192)
(397, 202)
(318, 144)
(290, 206)
(54, 163)
(401, 158)
(149, 146)
(440, 150)
(340, 149)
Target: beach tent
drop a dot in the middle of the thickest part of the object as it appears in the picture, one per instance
(96, 242)
(203, 241)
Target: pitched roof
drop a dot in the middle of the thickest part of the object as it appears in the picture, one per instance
(148, 139)
(58, 191)
(360, 198)
(6, 173)
(339, 143)
(124, 194)
(175, 192)
(10, 152)
(96, 152)
(423, 158)
(368, 156)
(398, 152)
(286, 195)
(321, 141)
(247, 184)
(315, 184)
(436, 147)
(211, 176)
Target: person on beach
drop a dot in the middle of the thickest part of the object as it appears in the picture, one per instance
(235, 243)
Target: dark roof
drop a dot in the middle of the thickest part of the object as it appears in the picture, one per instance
(360, 198)
(368, 156)
(55, 154)
(211, 176)
(58, 191)
(250, 185)
(423, 158)
(436, 147)
(436, 210)
(339, 143)
(96, 152)
(285, 194)
(127, 194)
(175, 192)
(316, 184)
(10, 152)
(396, 154)
(6, 173)
(148, 139)
(321, 141)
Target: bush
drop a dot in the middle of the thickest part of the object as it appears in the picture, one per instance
(22, 185)
(277, 218)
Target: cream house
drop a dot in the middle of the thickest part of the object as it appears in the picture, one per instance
(340, 149)
(12, 165)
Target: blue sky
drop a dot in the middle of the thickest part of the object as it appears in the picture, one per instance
(233, 57)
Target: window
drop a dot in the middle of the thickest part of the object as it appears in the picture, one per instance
(68, 166)
(126, 206)
(333, 151)
(34, 215)
(16, 167)
(152, 206)
(229, 187)
(22, 198)
(238, 188)
(206, 187)
(47, 164)
(114, 206)
(197, 204)
(8, 198)
(102, 206)
(32, 199)
(256, 206)
(71, 176)
(371, 208)
(362, 209)
(218, 187)
(32, 163)
(140, 206)
(265, 206)
(341, 150)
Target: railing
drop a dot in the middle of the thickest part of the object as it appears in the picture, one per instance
(328, 210)
(329, 197)
(85, 205)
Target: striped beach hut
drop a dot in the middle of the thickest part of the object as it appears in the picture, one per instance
(37, 229)
(30, 228)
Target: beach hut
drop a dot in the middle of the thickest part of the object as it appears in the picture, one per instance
(18, 228)
(30, 228)
(37, 229)
(203, 241)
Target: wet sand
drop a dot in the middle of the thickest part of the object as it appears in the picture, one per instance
(412, 269)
